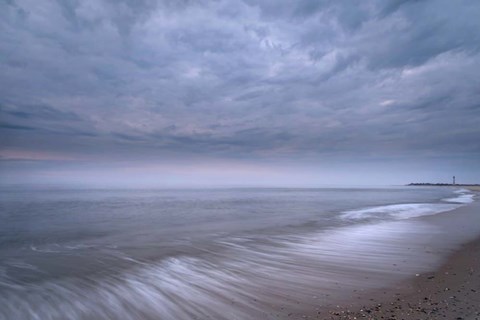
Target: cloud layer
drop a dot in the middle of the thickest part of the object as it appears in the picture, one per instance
(256, 80)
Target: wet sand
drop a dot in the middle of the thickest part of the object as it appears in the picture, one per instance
(450, 292)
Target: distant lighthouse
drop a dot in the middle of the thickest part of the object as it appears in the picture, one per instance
(453, 180)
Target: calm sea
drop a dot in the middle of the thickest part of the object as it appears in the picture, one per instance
(214, 253)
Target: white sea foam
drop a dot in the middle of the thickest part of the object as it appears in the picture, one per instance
(464, 196)
(398, 211)
(241, 284)
(59, 248)
(21, 265)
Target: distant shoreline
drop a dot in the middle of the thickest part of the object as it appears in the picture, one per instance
(442, 184)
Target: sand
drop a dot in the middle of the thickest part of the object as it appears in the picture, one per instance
(451, 292)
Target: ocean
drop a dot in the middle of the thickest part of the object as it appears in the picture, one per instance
(239, 253)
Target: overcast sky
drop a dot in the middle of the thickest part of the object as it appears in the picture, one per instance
(239, 92)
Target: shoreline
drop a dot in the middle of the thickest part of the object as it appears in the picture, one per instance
(452, 291)
(367, 268)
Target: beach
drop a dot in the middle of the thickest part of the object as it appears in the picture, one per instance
(450, 292)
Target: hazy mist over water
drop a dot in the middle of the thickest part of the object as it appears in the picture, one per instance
(221, 253)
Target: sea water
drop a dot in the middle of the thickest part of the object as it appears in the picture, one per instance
(240, 253)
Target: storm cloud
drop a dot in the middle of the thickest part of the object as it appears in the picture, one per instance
(240, 81)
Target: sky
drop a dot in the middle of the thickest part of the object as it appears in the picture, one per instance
(239, 92)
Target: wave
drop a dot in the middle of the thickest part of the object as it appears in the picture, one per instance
(59, 248)
(398, 211)
(249, 279)
(464, 196)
